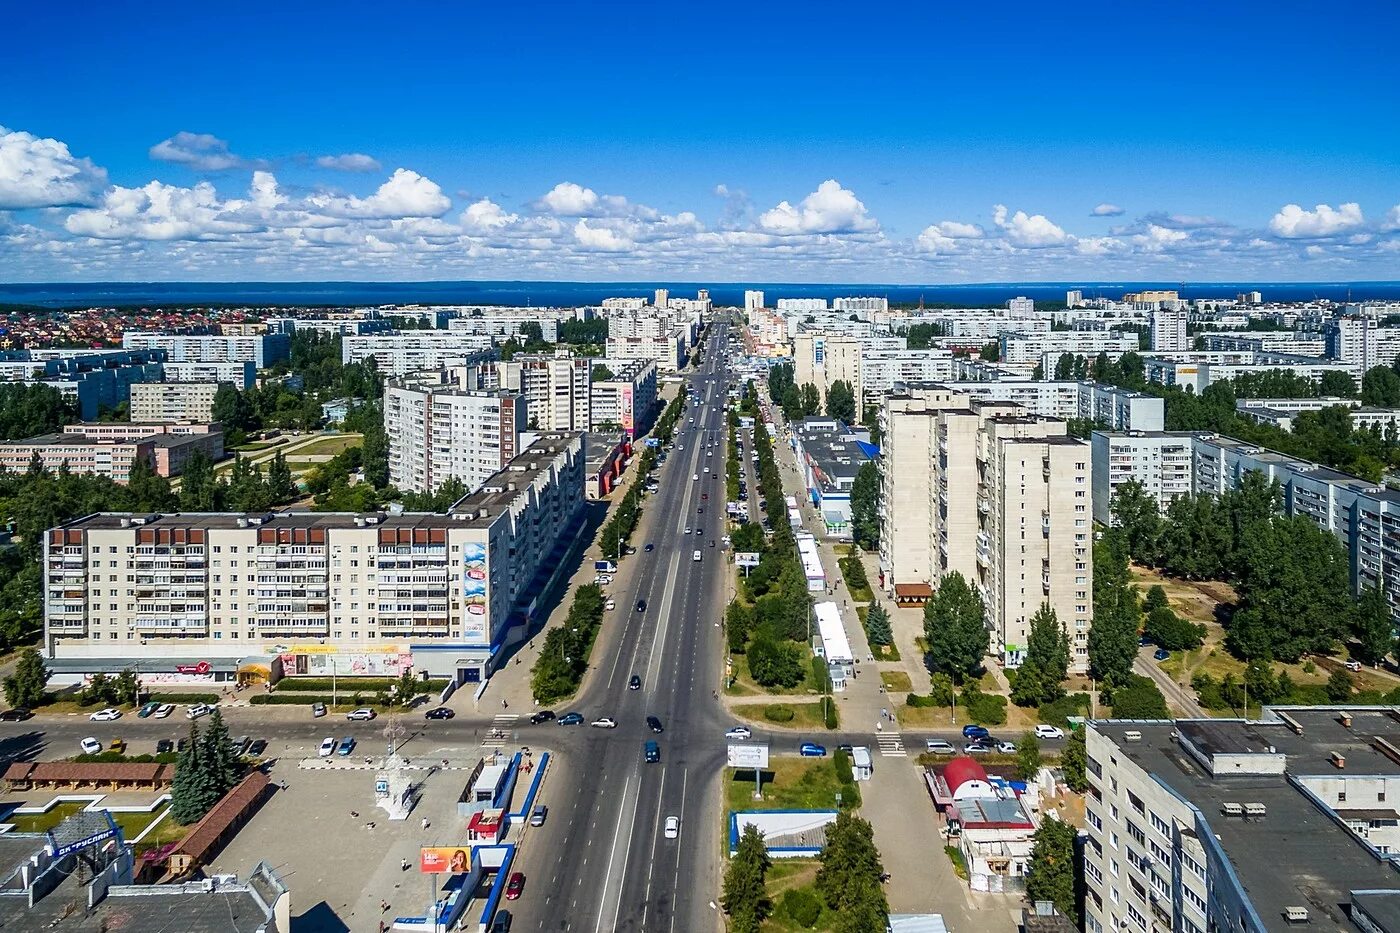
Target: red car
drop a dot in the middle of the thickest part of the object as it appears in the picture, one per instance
(704, 495)
(515, 886)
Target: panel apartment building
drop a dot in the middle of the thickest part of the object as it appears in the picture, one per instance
(91, 379)
(555, 388)
(199, 597)
(173, 401)
(1279, 824)
(401, 353)
(1001, 497)
(262, 350)
(439, 429)
(627, 400)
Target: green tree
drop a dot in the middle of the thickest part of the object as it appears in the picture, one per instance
(1374, 629)
(1339, 686)
(126, 687)
(955, 629)
(841, 401)
(1335, 384)
(600, 372)
(745, 896)
(1028, 757)
(1064, 367)
(1041, 675)
(877, 625)
(1074, 761)
(1139, 698)
(990, 352)
(1380, 386)
(25, 687)
(407, 687)
(198, 488)
(1156, 598)
(865, 506)
(192, 792)
(773, 662)
(1170, 631)
(280, 485)
(811, 400)
(217, 758)
(850, 861)
(1136, 513)
(1051, 870)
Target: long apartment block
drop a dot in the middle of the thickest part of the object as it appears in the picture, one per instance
(439, 429)
(1001, 497)
(315, 591)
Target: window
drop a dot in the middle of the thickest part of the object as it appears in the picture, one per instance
(1160, 825)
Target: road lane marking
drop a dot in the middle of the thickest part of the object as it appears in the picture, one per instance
(612, 857)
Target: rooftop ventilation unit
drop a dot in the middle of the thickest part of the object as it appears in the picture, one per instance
(1132, 735)
(1295, 914)
(1256, 810)
(1232, 809)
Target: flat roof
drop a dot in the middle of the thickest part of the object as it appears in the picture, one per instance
(833, 633)
(1312, 860)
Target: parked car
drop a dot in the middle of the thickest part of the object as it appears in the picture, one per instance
(544, 715)
(604, 722)
(515, 886)
(811, 750)
(634, 683)
(673, 827)
(106, 715)
(363, 714)
(1046, 731)
(327, 747)
(15, 714)
(346, 746)
(739, 732)
(165, 747)
(610, 605)
(654, 724)
(501, 924)
(318, 710)
(940, 747)
(257, 748)
(977, 748)
(164, 710)
(1353, 665)
(196, 710)
(145, 711)
(1006, 748)
(90, 746)
(239, 744)
(975, 732)
(440, 712)
(571, 719)
(540, 814)
(1161, 654)
(118, 746)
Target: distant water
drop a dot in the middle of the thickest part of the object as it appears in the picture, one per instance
(565, 294)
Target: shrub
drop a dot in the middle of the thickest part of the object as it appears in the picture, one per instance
(324, 684)
(844, 774)
(776, 712)
(985, 708)
(830, 719)
(919, 701)
(821, 677)
(306, 699)
(1058, 712)
(941, 690)
(801, 906)
(185, 698)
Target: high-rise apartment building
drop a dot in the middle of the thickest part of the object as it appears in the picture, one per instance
(626, 401)
(199, 597)
(1169, 330)
(1002, 498)
(1161, 461)
(401, 353)
(1074, 298)
(1362, 343)
(439, 429)
(1021, 306)
(556, 388)
(172, 401)
(262, 350)
(753, 300)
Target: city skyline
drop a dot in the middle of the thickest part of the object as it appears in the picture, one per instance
(727, 144)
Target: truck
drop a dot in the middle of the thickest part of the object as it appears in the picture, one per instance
(605, 566)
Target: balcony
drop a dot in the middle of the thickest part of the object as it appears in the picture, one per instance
(68, 625)
(298, 625)
(187, 622)
(1045, 524)
(984, 505)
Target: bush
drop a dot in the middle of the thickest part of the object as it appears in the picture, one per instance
(987, 709)
(801, 906)
(1171, 631)
(821, 677)
(776, 712)
(106, 758)
(306, 699)
(1058, 712)
(1139, 698)
(919, 701)
(185, 697)
(829, 717)
(844, 774)
(340, 684)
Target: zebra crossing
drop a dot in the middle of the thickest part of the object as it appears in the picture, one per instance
(502, 725)
(891, 745)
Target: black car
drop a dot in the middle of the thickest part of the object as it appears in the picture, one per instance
(502, 922)
(649, 546)
(182, 745)
(641, 605)
(165, 747)
(441, 712)
(654, 724)
(700, 510)
(544, 715)
(17, 714)
(635, 683)
(257, 748)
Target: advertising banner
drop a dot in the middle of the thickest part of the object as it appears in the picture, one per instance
(748, 756)
(436, 860)
(629, 424)
(474, 596)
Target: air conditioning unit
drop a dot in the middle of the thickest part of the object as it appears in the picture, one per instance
(1295, 914)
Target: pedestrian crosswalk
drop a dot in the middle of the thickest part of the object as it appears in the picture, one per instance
(891, 745)
(502, 726)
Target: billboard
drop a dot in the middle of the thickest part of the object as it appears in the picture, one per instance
(629, 423)
(437, 860)
(474, 623)
(746, 558)
(748, 756)
(818, 351)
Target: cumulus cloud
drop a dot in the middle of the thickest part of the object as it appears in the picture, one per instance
(405, 194)
(1106, 210)
(943, 237)
(157, 211)
(202, 152)
(1035, 231)
(1392, 219)
(1292, 222)
(829, 209)
(40, 172)
(349, 162)
(486, 216)
(600, 238)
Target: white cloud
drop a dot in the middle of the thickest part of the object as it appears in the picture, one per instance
(37, 172)
(569, 200)
(1106, 210)
(405, 194)
(1392, 219)
(829, 209)
(349, 162)
(202, 152)
(486, 216)
(1292, 222)
(943, 237)
(157, 211)
(1028, 232)
(600, 238)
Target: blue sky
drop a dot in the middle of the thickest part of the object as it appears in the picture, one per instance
(800, 142)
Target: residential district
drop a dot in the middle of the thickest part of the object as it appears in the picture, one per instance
(803, 615)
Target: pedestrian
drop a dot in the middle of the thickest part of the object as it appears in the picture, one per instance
(879, 727)
(425, 822)
(403, 864)
(504, 704)
(354, 815)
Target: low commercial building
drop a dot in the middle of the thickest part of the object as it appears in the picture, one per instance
(173, 401)
(336, 410)
(111, 449)
(831, 643)
(990, 820)
(196, 596)
(1257, 826)
(439, 429)
(606, 458)
(810, 555)
(262, 350)
(830, 455)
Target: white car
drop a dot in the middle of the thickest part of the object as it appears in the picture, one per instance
(695, 477)
(106, 715)
(687, 530)
(610, 605)
(739, 732)
(673, 827)
(1044, 731)
(939, 747)
(164, 710)
(327, 747)
(90, 746)
(1006, 748)
(198, 709)
(695, 556)
(607, 722)
(364, 713)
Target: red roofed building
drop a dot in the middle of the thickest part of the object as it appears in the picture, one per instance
(991, 819)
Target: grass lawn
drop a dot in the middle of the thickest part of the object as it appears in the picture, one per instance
(132, 824)
(791, 874)
(885, 652)
(896, 681)
(788, 784)
(745, 686)
(807, 715)
(331, 445)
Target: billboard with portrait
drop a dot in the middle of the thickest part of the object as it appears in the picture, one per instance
(475, 597)
(452, 860)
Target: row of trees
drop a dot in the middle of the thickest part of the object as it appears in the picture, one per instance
(865, 506)
(28, 410)
(245, 488)
(564, 656)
